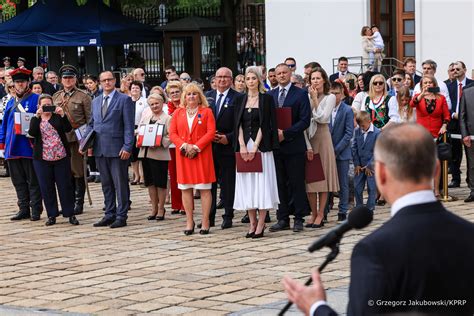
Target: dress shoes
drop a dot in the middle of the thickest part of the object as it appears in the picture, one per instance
(20, 215)
(470, 198)
(341, 217)
(204, 232)
(250, 235)
(174, 212)
(35, 217)
(298, 226)
(73, 220)
(151, 217)
(97, 179)
(280, 225)
(161, 218)
(188, 232)
(212, 224)
(118, 223)
(226, 223)
(454, 184)
(51, 221)
(220, 204)
(245, 219)
(90, 178)
(104, 222)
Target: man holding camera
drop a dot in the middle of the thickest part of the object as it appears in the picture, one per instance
(77, 106)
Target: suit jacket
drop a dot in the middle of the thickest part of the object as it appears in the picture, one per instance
(199, 169)
(342, 131)
(416, 78)
(453, 89)
(114, 132)
(466, 111)
(297, 99)
(224, 120)
(335, 76)
(413, 257)
(363, 151)
(162, 152)
(267, 117)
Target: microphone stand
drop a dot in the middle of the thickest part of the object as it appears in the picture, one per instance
(330, 257)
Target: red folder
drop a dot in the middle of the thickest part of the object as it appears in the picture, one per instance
(283, 118)
(314, 170)
(255, 165)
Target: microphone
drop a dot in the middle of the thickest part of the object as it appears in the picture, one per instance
(358, 218)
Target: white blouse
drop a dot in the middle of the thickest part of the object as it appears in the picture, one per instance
(322, 114)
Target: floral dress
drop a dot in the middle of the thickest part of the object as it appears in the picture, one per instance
(53, 148)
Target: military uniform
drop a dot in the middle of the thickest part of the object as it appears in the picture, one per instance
(76, 104)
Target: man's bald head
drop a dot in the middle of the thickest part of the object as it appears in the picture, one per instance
(408, 151)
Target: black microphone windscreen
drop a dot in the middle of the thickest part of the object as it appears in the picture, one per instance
(360, 217)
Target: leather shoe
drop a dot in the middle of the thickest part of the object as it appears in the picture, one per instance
(226, 223)
(35, 217)
(220, 204)
(20, 215)
(118, 223)
(104, 222)
(298, 226)
(281, 225)
(454, 184)
(470, 198)
(73, 220)
(212, 224)
(245, 219)
(341, 217)
(51, 221)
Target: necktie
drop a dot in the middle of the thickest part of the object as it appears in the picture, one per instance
(105, 105)
(459, 97)
(282, 97)
(218, 104)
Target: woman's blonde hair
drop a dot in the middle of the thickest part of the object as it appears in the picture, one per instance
(371, 85)
(404, 92)
(155, 96)
(174, 84)
(192, 87)
(257, 72)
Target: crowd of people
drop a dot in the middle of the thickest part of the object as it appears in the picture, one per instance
(324, 151)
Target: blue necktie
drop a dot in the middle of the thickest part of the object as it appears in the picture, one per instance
(218, 104)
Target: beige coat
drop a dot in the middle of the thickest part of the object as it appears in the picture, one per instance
(162, 152)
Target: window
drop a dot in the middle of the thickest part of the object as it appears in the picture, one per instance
(408, 27)
(409, 49)
(409, 6)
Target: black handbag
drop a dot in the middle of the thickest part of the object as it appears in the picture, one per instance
(445, 150)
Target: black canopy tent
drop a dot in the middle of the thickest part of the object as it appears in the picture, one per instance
(65, 23)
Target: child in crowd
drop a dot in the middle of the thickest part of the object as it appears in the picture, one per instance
(363, 156)
(375, 56)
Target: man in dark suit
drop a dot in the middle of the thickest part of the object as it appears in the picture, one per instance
(113, 119)
(342, 66)
(220, 100)
(409, 259)
(466, 122)
(342, 130)
(290, 159)
(455, 92)
(38, 75)
(52, 78)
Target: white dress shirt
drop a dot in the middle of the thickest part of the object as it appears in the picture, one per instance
(413, 198)
(223, 99)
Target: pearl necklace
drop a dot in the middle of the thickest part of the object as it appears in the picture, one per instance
(191, 112)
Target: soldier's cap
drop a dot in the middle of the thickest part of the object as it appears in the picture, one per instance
(22, 59)
(68, 71)
(20, 74)
(6, 58)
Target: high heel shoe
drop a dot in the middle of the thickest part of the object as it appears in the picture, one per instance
(151, 217)
(204, 232)
(321, 224)
(174, 212)
(188, 232)
(260, 235)
(161, 218)
(250, 235)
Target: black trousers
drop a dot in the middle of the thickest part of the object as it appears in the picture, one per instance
(455, 163)
(290, 171)
(26, 185)
(52, 174)
(224, 165)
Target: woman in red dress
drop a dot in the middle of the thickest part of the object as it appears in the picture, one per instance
(192, 130)
(431, 112)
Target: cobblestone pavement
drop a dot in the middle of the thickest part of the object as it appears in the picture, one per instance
(151, 267)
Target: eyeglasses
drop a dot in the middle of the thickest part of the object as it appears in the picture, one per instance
(222, 77)
(291, 65)
(397, 79)
(378, 83)
(168, 72)
(107, 80)
(457, 69)
(186, 78)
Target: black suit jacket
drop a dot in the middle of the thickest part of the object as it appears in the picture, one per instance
(416, 79)
(298, 100)
(267, 117)
(224, 120)
(423, 253)
(453, 89)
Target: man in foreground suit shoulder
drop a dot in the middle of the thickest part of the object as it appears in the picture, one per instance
(421, 258)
